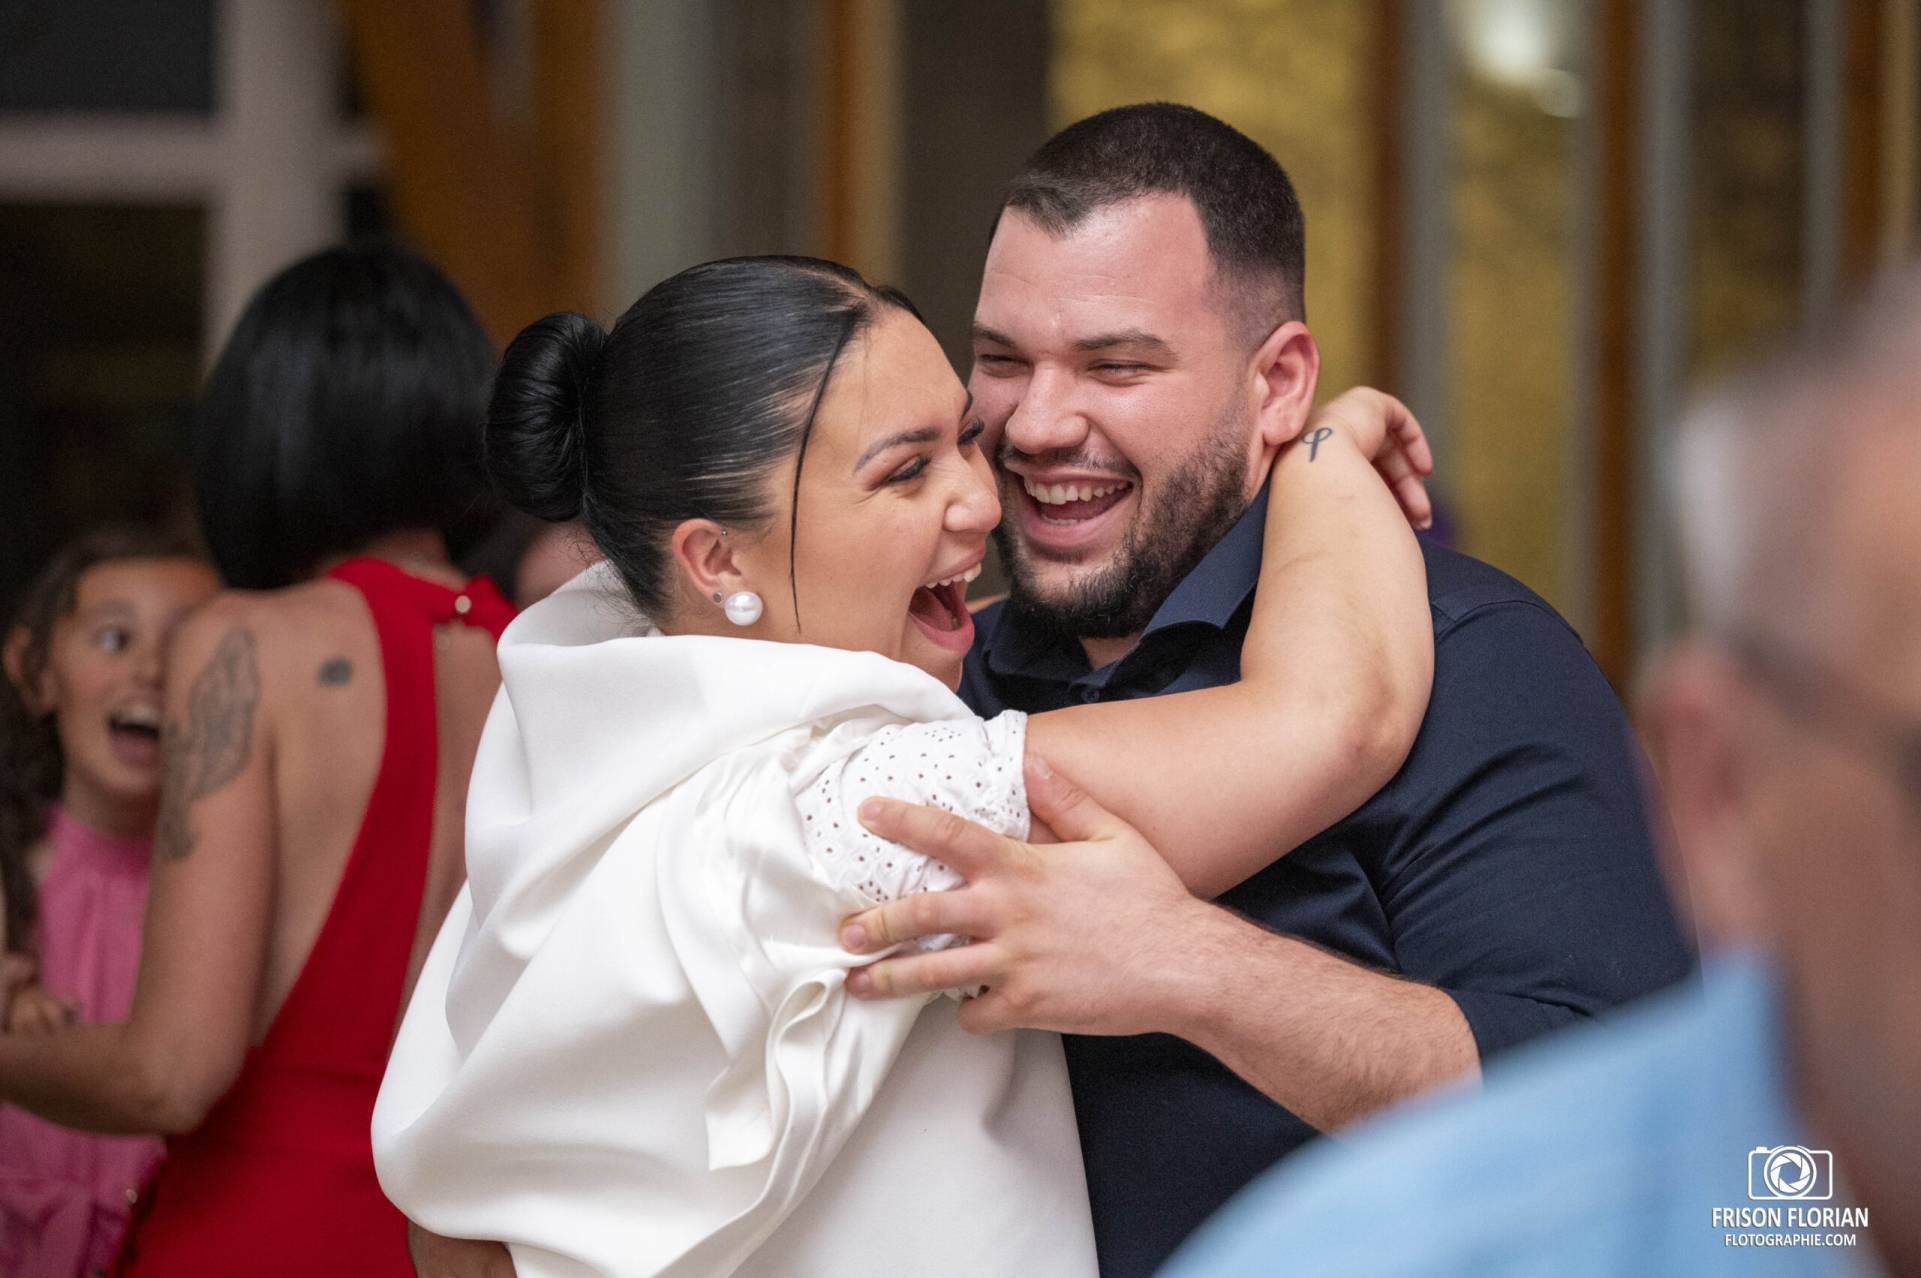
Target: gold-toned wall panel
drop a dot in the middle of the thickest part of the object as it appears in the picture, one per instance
(1291, 74)
(1746, 174)
(1511, 307)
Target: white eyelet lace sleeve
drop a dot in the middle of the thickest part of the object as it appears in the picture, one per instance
(969, 767)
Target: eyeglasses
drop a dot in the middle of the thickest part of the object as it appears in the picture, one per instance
(1825, 699)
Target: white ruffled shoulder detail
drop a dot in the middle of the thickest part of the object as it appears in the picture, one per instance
(965, 766)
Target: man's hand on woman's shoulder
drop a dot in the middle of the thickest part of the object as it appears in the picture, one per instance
(1079, 936)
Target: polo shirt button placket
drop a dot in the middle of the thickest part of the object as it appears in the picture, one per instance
(1090, 695)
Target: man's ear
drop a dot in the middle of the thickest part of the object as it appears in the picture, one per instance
(708, 559)
(1691, 716)
(1286, 370)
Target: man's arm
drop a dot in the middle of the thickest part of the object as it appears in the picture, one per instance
(1096, 935)
(1514, 859)
(1330, 1040)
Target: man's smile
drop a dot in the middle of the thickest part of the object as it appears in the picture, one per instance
(1071, 514)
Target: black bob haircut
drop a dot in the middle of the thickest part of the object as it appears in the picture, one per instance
(348, 404)
(1256, 232)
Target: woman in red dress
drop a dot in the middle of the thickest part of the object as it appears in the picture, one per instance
(321, 721)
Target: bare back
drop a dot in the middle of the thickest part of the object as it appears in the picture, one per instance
(324, 697)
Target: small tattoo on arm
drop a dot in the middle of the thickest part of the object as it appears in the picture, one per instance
(211, 748)
(335, 671)
(1315, 438)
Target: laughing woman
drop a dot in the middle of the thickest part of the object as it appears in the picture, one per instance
(631, 1050)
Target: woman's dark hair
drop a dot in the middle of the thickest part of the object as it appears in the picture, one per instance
(702, 389)
(347, 404)
(31, 765)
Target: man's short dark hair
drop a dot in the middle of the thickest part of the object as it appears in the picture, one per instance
(1255, 230)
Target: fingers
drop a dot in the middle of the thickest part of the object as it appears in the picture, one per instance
(1067, 809)
(25, 1007)
(989, 1014)
(1405, 434)
(960, 912)
(963, 845)
(1369, 415)
(1409, 489)
(1400, 429)
(17, 971)
(963, 967)
(37, 1012)
(1406, 458)
(1382, 426)
(1412, 494)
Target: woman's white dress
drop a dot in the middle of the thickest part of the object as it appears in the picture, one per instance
(630, 1050)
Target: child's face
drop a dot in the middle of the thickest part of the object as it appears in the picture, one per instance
(105, 662)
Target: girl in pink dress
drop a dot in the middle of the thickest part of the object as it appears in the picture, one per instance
(79, 789)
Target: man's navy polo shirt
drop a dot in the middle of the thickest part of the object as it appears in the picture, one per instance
(1509, 863)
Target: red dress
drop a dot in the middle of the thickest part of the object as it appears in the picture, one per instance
(280, 1177)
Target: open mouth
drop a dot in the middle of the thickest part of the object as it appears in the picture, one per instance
(1068, 504)
(1071, 519)
(134, 731)
(940, 610)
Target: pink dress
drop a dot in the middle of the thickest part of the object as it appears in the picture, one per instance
(64, 1195)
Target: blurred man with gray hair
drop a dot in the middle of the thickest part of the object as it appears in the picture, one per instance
(1768, 1122)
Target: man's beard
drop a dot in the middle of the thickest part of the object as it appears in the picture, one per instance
(1193, 510)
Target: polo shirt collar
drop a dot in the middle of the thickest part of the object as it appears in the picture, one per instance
(1209, 596)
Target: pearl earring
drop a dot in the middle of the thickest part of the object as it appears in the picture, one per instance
(743, 607)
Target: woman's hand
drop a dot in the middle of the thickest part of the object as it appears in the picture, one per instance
(17, 972)
(1385, 432)
(34, 1011)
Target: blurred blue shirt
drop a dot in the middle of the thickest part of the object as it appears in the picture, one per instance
(1605, 1150)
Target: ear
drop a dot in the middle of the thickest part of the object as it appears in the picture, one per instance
(708, 559)
(1693, 720)
(1286, 370)
(13, 656)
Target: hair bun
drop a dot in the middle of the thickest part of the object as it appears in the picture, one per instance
(537, 420)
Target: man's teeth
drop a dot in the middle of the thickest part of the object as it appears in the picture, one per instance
(1059, 494)
(963, 578)
(137, 717)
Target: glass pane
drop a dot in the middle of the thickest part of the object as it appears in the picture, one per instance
(107, 55)
(1745, 172)
(100, 330)
(1294, 75)
(1512, 138)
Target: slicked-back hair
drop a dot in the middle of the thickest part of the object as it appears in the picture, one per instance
(1256, 234)
(704, 388)
(348, 404)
